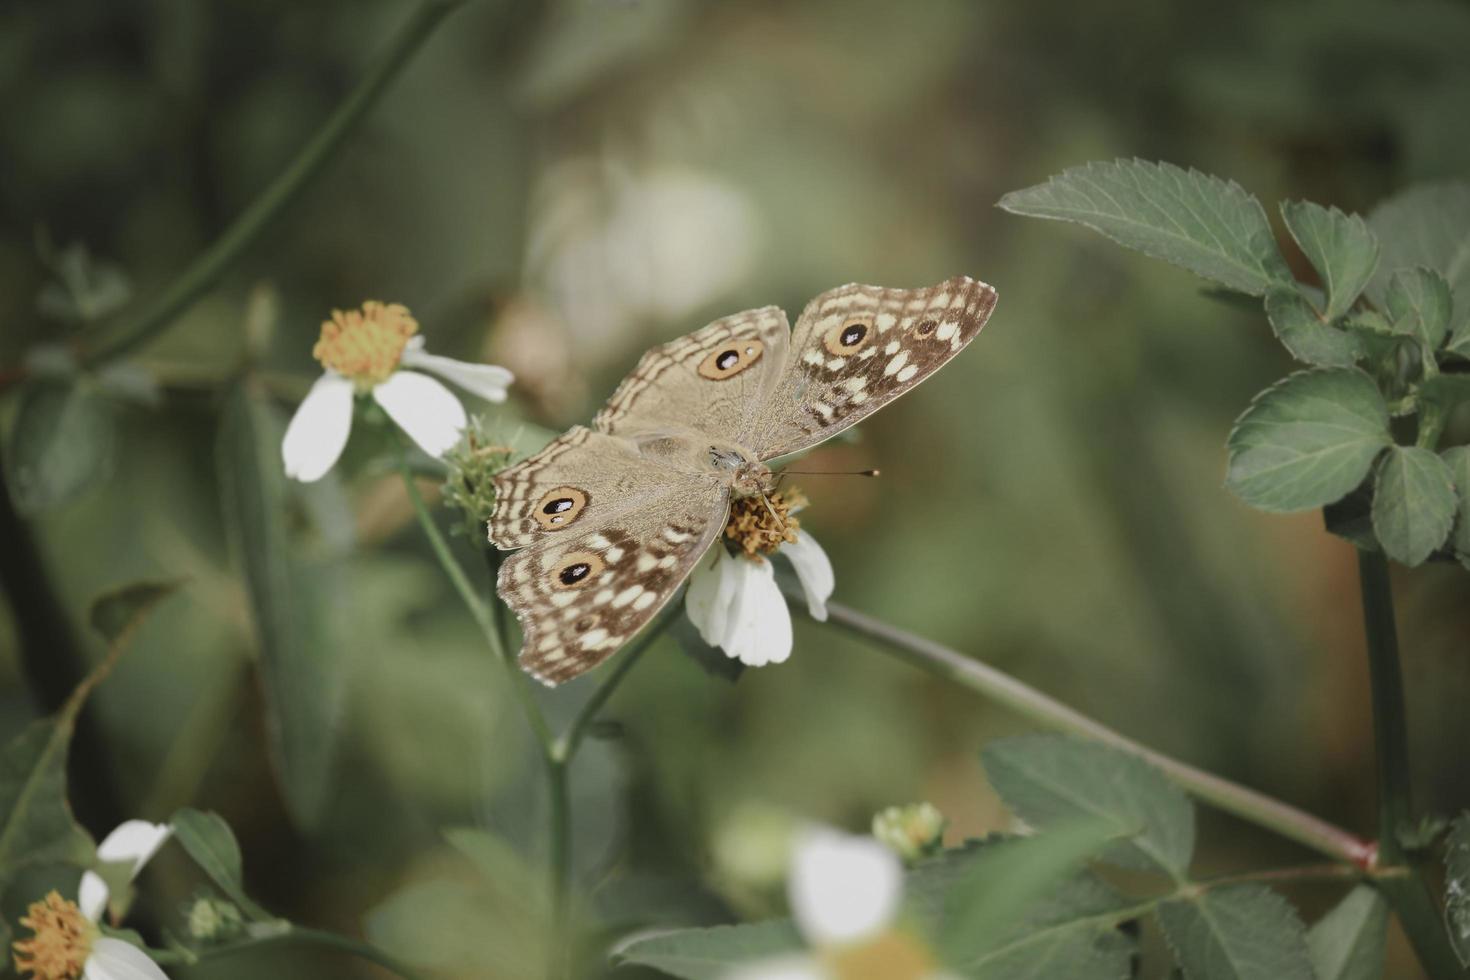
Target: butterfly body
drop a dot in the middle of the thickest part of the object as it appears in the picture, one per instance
(610, 520)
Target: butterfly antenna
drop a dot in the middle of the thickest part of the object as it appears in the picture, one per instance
(783, 473)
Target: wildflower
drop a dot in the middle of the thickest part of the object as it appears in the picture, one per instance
(733, 599)
(372, 352)
(470, 483)
(213, 920)
(912, 831)
(845, 894)
(66, 942)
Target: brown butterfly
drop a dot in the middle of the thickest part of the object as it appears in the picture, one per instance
(610, 520)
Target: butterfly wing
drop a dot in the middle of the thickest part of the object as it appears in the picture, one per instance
(582, 597)
(713, 380)
(856, 348)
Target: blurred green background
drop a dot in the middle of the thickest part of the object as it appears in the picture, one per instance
(557, 186)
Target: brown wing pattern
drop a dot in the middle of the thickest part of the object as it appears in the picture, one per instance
(856, 348)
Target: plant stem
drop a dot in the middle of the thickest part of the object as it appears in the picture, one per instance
(1409, 895)
(561, 865)
(1029, 703)
(210, 264)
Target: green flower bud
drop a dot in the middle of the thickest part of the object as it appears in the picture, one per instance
(470, 485)
(213, 920)
(912, 831)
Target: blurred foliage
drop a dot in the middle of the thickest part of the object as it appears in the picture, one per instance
(556, 186)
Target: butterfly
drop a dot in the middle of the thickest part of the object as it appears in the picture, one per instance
(610, 520)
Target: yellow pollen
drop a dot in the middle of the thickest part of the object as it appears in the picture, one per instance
(891, 956)
(759, 525)
(365, 346)
(62, 941)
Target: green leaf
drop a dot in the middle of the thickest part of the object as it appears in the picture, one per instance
(84, 290)
(209, 840)
(1427, 225)
(1302, 331)
(61, 445)
(1207, 225)
(708, 954)
(1413, 503)
(1457, 887)
(1246, 932)
(1307, 440)
(36, 823)
(1002, 882)
(1349, 942)
(1419, 305)
(1339, 246)
(1052, 779)
(1458, 460)
(299, 661)
(117, 612)
(1445, 392)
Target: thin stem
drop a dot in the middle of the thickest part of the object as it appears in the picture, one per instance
(478, 609)
(561, 865)
(1257, 808)
(1390, 730)
(210, 264)
(316, 937)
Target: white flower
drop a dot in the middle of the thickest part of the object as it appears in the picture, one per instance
(371, 352)
(845, 894)
(66, 942)
(736, 605)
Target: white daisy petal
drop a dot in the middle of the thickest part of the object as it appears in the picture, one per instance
(759, 631)
(784, 968)
(134, 840)
(424, 409)
(711, 589)
(814, 570)
(92, 896)
(843, 889)
(114, 959)
(319, 429)
(489, 381)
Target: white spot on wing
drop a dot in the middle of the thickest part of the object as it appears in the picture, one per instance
(907, 373)
(893, 367)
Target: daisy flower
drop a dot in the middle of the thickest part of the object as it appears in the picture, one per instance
(733, 599)
(66, 942)
(377, 352)
(845, 894)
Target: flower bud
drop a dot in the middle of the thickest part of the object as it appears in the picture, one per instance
(912, 831)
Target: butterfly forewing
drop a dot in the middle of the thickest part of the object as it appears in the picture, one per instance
(856, 348)
(713, 380)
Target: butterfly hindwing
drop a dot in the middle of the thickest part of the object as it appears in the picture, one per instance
(713, 380)
(856, 348)
(579, 599)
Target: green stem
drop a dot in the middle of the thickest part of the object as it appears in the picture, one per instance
(316, 937)
(1029, 703)
(561, 867)
(210, 264)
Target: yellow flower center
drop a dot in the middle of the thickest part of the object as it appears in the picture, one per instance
(891, 956)
(365, 346)
(759, 525)
(62, 941)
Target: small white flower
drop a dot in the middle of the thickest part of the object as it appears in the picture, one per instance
(373, 352)
(736, 605)
(845, 894)
(67, 944)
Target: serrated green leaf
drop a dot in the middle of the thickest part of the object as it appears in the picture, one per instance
(1350, 942)
(1413, 503)
(1303, 332)
(709, 954)
(1307, 440)
(1210, 226)
(1052, 779)
(1457, 887)
(1427, 225)
(115, 612)
(1458, 460)
(36, 823)
(1445, 392)
(1245, 932)
(61, 445)
(1339, 246)
(299, 661)
(1418, 305)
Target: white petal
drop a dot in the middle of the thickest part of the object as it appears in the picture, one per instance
(814, 570)
(489, 381)
(424, 409)
(843, 889)
(318, 431)
(785, 968)
(134, 840)
(759, 631)
(113, 959)
(92, 896)
(711, 591)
